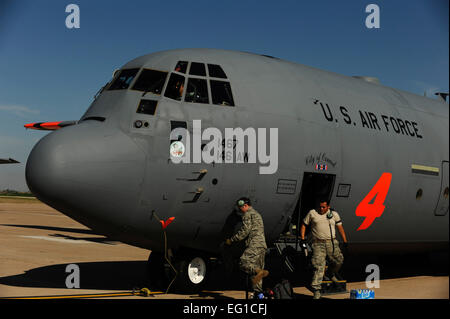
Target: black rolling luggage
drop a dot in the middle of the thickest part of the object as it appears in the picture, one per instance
(283, 290)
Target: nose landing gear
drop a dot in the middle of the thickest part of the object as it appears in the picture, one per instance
(192, 273)
(190, 277)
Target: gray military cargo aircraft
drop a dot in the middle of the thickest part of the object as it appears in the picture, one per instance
(380, 155)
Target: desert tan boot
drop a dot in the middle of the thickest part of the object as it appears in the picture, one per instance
(260, 274)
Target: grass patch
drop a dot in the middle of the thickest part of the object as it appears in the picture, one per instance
(18, 199)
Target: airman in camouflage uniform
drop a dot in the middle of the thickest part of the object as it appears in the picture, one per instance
(252, 230)
(320, 252)
(324, 243)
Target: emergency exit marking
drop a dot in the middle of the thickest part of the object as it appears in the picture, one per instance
(375, 209)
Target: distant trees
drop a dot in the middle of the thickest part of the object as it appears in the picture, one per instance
(11, 192)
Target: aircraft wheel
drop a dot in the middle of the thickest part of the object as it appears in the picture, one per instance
(192, 274)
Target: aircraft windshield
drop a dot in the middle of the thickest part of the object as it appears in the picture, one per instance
(201, 87)
(221, 93)
(197, 69)
(124, 79)
(175, 87)
(197, 91)
(150, 81)
(216, 71)
(181, 66)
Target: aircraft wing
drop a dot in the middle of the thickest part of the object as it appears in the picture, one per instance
(8, 161)
(49, 126)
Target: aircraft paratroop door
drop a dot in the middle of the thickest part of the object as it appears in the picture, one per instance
(443, 202)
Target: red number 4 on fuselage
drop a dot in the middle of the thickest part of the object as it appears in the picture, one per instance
(375, 209)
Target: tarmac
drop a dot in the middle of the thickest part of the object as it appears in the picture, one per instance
(37, 244)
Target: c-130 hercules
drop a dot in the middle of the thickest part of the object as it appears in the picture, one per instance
(346, 138)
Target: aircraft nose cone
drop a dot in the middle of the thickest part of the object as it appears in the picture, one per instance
(45, 165)
(87, 173)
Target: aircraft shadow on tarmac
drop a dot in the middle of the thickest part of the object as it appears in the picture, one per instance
(126, 275)
(120, 276)
(117, 275)
(99, 240)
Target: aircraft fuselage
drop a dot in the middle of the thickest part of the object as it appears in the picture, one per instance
(114, 173)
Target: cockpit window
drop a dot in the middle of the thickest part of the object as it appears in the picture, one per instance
(124, 79)
(150, 81)
(197, 91)
(181, 66)
(221, 93)
(175, 87)
(216, 71)
(197, 69)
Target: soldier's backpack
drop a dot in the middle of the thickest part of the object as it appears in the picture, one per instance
(283, 290)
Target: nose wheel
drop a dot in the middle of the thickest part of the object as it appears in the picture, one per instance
(196, 270)
(192, 271)
(192, 274)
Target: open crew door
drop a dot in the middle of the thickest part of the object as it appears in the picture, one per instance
(315, 186)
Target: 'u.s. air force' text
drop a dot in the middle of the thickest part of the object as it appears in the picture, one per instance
(370, 120)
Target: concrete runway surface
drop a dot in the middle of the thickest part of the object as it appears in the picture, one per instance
(37, 243)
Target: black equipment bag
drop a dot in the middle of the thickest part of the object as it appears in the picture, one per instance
(283, 290)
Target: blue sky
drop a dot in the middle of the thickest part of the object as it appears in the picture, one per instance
(49, 72)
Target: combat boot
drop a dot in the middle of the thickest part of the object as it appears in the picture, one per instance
(316, 294)
(334, 279)
(260, 274)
